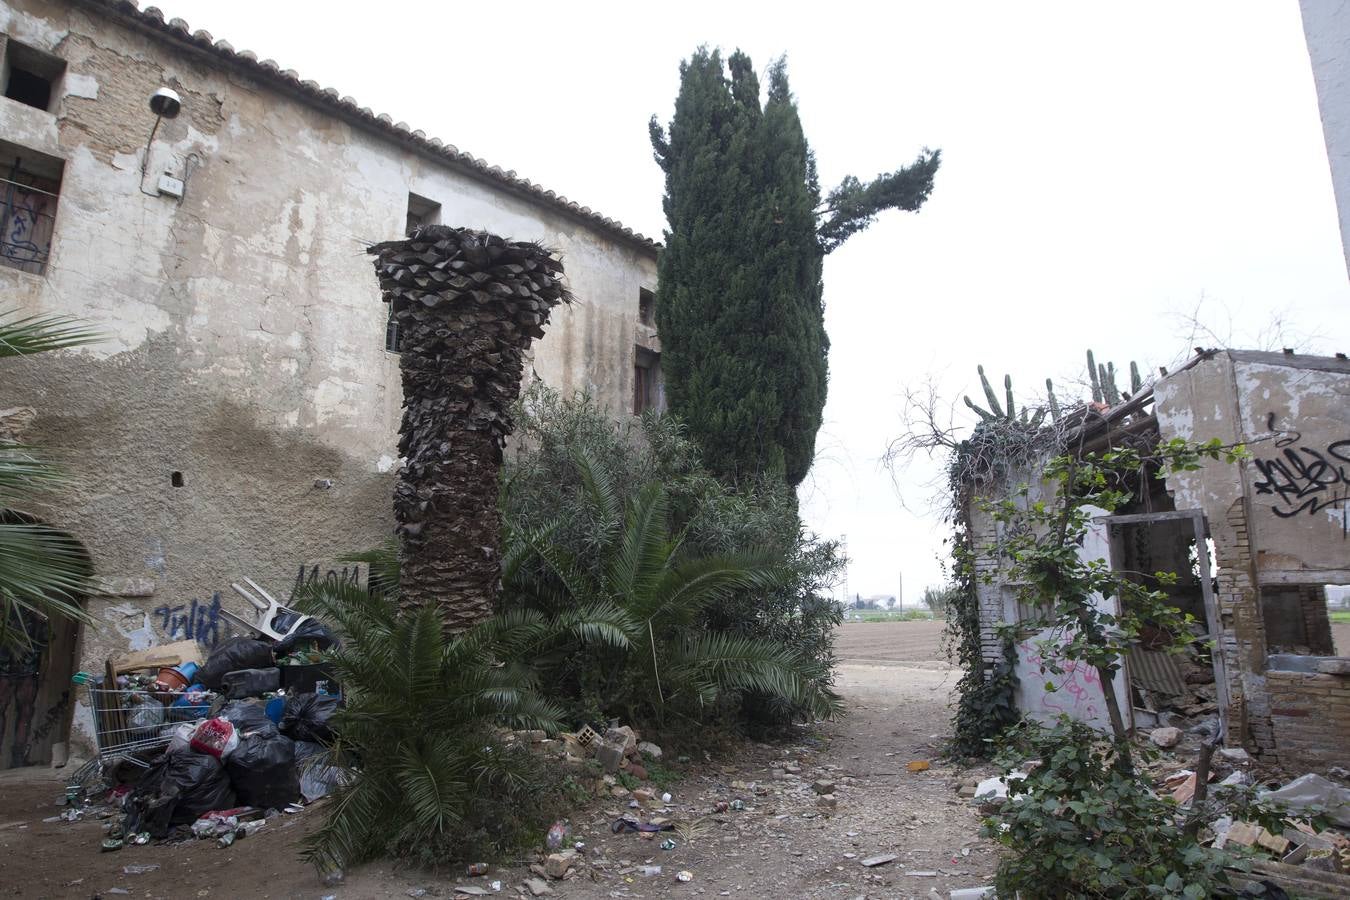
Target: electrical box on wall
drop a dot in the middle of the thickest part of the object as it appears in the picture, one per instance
(171, 186)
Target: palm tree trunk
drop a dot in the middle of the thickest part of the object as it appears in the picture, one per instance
(467, 304)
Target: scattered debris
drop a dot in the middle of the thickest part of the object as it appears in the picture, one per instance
(1166, 738)
(1314, 791)
(880, 860)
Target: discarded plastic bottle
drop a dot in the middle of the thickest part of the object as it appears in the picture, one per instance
(557, 834)
(667, 844)
(649, 871)
(475, 869)
(738, 805)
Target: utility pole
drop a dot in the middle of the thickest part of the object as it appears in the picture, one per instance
(900, 591)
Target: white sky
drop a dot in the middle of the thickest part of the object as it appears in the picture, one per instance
(1105, 169)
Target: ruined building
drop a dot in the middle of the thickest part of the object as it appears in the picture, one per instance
(1255, 544)
(240, 418)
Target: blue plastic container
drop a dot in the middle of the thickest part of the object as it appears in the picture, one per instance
(183, 710)
(275, 707)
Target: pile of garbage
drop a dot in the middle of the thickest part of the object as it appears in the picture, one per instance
(218, 747)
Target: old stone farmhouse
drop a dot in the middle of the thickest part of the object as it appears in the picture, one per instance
(1255, 544)
(240, 417)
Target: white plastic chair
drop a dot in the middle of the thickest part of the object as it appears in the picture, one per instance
(268, 608)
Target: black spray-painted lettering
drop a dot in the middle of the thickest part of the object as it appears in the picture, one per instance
(192, 621)
(1302, 477)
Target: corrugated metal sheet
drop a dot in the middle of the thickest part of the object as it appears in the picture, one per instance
(1158, 672)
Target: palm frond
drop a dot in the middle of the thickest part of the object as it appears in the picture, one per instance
(714, 662)
(597, 484)
(689, 587)
(25, 335)
(43, 572)
(382, 565)
(644, 548)
(24, 472)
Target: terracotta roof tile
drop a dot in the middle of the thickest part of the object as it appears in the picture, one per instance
(152, 20)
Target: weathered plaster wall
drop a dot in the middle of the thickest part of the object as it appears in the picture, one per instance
(244, 328)
(1276, 519)
(1326, 26)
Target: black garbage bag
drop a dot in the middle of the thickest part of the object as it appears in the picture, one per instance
(262, 770)
(311, 632)
(235, 654)
(248, 718)
(251, 682)
(177, 789)
(306, 717)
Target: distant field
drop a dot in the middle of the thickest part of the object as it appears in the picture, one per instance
(891, 643)
(886, 615)
(1340, 615)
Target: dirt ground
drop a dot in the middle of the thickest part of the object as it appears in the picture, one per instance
(783, 844)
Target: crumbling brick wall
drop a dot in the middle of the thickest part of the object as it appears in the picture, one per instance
(1309, 719)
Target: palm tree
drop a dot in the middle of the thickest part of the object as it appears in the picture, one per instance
(44, 572)
(420, 711)
(640, 616)
(467, 304)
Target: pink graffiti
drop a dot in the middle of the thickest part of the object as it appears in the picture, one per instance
(1078, 691)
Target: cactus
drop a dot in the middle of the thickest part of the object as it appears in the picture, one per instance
(989, 394)
(1092, 376)
(1136, 381)
(1054, 403)
(1007, 412)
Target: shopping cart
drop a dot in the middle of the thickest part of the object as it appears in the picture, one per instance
(130, 726)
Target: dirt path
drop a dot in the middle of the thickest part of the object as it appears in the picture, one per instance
(783, 844)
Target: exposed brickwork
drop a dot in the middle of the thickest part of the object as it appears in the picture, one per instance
(1309, 720)
(118, 120)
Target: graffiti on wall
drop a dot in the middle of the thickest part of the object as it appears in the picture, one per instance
(194, 620)
(351, 577)
(1305, 477)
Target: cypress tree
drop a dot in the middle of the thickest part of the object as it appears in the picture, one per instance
(740, 306)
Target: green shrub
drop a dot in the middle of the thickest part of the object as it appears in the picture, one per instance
(1081, 824)
(630, 615)
(432, 782)
(546, 489)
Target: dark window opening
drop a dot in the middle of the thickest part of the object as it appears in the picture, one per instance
(30, 184)
(176, 479)
(421, 211)
(29, 89)
(1298, 621)
(30, 75)
(646, 307)
(646, 381)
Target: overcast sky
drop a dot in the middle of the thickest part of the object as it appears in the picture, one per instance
(1107, 169)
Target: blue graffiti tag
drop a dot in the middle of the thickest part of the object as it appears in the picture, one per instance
(192, 621)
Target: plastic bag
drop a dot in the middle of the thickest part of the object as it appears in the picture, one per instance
(1314, 791)
(306, 717)
(144, 712)
(248, 717)
(250, 682)
(215, 737)
(177, 789)
(311, 632)
(235, 654)
(262, 770)
(318, 776)
(181, 737)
